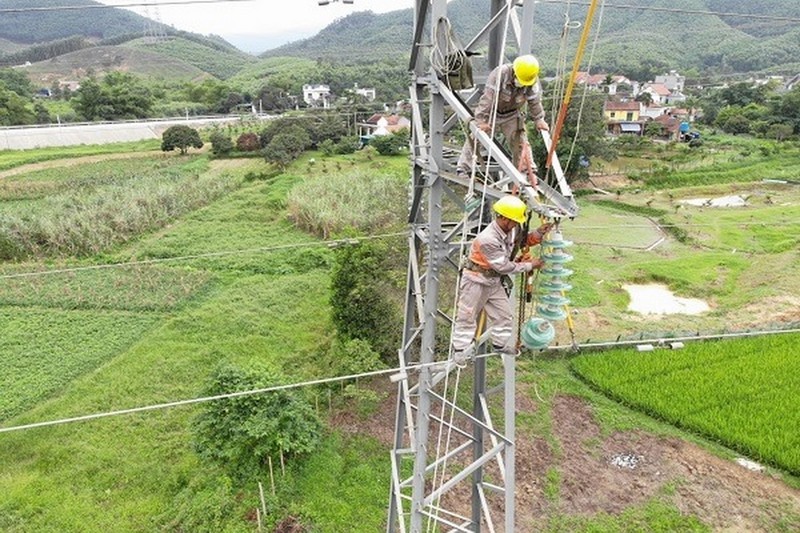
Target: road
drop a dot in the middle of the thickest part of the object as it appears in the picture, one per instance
(28, 137)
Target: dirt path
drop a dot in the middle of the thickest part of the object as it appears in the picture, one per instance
(609, 474)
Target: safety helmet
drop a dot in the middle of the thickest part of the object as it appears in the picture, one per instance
(512, 208)
(526, 70)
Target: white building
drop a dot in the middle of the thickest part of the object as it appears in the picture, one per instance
(672, 81)
(368, 94)
(317, 95)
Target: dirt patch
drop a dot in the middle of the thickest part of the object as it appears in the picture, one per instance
(608, 474)
(606, 182)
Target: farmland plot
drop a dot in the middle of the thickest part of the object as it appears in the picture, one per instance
(743, 393)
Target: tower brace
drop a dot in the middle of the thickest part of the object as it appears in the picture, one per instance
(443, 448)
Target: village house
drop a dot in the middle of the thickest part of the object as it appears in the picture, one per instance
(623, 117)
(598, 82)
(379, 124)
(317, 95)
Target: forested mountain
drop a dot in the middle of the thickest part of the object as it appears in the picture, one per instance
(58, 37)
(31, 27)
(682, 34)
(703, 39)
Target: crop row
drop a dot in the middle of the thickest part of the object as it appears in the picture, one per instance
(743, 393)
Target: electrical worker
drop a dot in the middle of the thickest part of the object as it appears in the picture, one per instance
(508, 88)
(481, 287)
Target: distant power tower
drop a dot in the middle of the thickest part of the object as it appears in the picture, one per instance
(453, 466)
(153, 26)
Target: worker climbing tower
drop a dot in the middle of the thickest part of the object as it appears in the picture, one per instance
(453, 465)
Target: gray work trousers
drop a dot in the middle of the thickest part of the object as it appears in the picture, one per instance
(512, 128)
(481, 293)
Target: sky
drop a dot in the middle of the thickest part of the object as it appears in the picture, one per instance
(257, 25)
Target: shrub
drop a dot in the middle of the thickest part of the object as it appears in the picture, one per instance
(221, 144)
(241, 432)
(390, 144)
(248, 142)
(359, 300)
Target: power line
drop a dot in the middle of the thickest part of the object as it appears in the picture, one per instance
(400, 372)
(107, 6)
(333, 243)
(200, 256)
(776, 18)
(397, 374)
(753, 16)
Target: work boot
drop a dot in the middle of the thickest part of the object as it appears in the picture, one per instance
(462, 357)
(508, 349)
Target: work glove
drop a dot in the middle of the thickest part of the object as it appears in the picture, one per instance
(535, 262)
(536, 236)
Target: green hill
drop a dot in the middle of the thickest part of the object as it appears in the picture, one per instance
(56, 36)
(220, 62)
(683, 36)
(33, 27)
(76, 65)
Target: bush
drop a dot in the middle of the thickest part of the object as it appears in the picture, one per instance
(390, 144)
(242, 432)
(248, 142)
(327, 147)
(221, 144)
(359, 300)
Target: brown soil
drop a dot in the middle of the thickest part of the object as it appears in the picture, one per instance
(608, 474)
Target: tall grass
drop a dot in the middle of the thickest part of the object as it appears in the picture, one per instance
(361, 200)
(92, 218)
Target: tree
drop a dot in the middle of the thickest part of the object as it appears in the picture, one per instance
(247, 142)
(391, 144)
(42, 115)
(13, 110)
(16, 81)
(591, 140)
(88, 101)
(119, 95)
(241, 433)
(645, 97)
(287, 146)
(360, 305)
(221, 144)
(181, 137)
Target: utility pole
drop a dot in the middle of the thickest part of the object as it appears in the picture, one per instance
(440, 442)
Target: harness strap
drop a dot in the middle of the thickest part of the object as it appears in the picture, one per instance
(469, 264)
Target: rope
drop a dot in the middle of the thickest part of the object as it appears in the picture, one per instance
(575, 67)
(585, 88)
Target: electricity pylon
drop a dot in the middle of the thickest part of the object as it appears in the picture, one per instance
(444, 447)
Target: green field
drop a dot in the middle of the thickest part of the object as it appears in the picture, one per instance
(228, 277)
(743, 393)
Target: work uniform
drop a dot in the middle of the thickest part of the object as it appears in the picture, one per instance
(510, 120)
(481, 289)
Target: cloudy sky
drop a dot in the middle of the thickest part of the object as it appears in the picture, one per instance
(256, 25)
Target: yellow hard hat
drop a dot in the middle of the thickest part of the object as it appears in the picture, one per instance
(526, 70)
(512, 208)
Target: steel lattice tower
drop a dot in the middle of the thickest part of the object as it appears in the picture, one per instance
(430, 480)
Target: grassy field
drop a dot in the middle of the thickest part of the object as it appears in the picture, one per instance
(233, 280)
